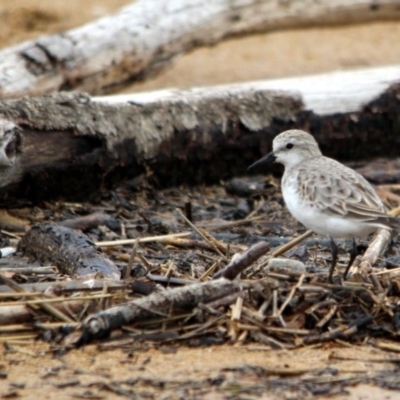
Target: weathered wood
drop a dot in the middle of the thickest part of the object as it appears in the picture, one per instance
(239, 263)
(72, 252)
(145, 37)
(70, 145)
(153, 306)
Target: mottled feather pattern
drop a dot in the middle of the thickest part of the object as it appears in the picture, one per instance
(337, 190)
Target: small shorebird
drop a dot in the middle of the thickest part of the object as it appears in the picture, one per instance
(324, 195)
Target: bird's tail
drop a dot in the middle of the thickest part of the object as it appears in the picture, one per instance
(388, 222)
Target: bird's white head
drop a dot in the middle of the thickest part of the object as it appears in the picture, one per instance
(290, 148)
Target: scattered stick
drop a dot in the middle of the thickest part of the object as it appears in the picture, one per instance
(148, 239)
(46, 307)
(377, 247)
(241, 262)
(131, 259)
(195, 244)
(339, 333)
(48, 270)
(291, 294)
(200, 232)
(209, 271)
(227, 225)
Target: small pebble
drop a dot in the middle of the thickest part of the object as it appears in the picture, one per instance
(285, 264)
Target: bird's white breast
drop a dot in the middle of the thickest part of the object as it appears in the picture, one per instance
(316, 220)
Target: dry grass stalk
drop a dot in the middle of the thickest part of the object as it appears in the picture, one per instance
(377, 247)
(209, 271)
(229, 225)
(46, 307)
(199, 232)
(128, 270)
(237, 309)
(148, 239)
(55, 300)
(291, 294)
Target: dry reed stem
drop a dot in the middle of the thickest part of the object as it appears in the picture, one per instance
(200, 233)
(148, 239)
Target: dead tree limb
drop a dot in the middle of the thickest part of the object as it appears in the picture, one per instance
(155, 305)
(70, 145)
(145, 37)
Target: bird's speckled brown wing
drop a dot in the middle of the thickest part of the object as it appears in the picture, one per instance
(338, 190)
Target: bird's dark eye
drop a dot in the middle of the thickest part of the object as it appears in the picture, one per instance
(289, 146)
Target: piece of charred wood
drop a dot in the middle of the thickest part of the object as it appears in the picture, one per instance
(72, 252)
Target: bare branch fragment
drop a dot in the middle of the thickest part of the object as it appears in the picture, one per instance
(156, 305)
(241, 262)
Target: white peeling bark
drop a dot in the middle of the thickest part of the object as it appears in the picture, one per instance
(323, 94)
(145, 37)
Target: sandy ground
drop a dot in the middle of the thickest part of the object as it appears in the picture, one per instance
(32, 371)
(180, 372)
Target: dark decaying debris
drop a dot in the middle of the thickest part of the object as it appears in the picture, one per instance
(177, 288)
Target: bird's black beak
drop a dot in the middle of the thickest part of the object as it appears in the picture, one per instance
(269, 158)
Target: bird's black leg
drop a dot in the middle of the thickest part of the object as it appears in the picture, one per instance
(353, 255)
(334, 251)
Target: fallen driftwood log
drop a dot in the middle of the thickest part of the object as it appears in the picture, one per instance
(72, 252)
(145, 37)
(161, 304)
(70, 145)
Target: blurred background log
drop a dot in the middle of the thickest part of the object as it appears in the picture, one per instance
(145, 37)
(70, 145)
